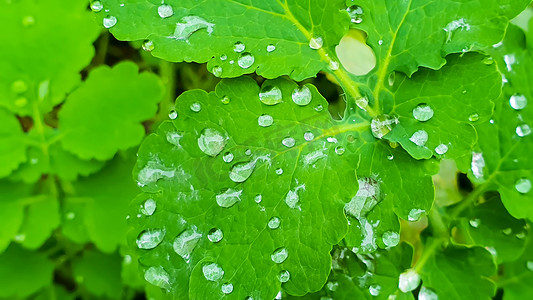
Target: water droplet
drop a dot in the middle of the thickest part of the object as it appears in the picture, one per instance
(284, 276)
(392, 78)
(227, 288)
(270, 95)
(316, 43)
(488, 60)
(391, 238)
(453, 26)
(423, 112)
(279, 255)
(292, 199)
(415, 214)
(70, 215)
(409, 280)
(215, 235)
(258, 198)
(312, 157)
(473, 117)
(158, 277)
(419, 138)
(332, 285)
(390, 157)
(374, 290)
(529, 265)
(518, 101)
(211, 142)
(217, 71)
(196, 107)
(441, 149)
(228, 198)
(239, 47)
(110, 21)
(225, 100)
(228, 157)
(333, 65)
(367, 197)
(173, 115)
(319, 108)
(246, 60)
(288, 142)
(382, 125)
(148, 208)
(478, 164)
(362, 103)
(97, 6)
(212, 272)
(523, 130)
(248, 152)
(271, 48)
(355, 12)
(186, 241)
(265, 120)
(148, 45)
(279, 171)
(189, 25)
(150, 238)
(241, 171)
(474, 222)
(274, 223)
(339, 150)
(427, 294)
(523, 185)
(309, 136)
(223, 57)
(165, 11)
(302, 96)
(507, 231)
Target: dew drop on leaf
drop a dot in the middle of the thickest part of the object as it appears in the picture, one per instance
(319, 108)
(212, 272)
(441, 149)
(246, 60)
(165, 11)
(279, 255)
(239, 172)
(248, 152)
(196, 107)
(279, 171)
(382, 125)
(148, 207)
(211, 142)
(173, 115)
(392, 79)
(473, 117)
(228, 198)
(312, 157)
(409, 280)
(316, 43)
(189, 25)
(333, 65)
(227, 288)
(258, 198)
(150, 238)
(217, 71)
(292, 199)
(309, 136)
(228, 157)
(391, 238)
(288, 142)
(284, 276)
(148, 45)
(529, 265)
(270, 95)
(97, 6)
(474, 222)
(355, 12)
(109, 21)
(523, 185)
(158, 277)
(274, 223)
(419, 138)
(302, 96)
(478, 164)
(225, 100)
(239, 47)
(374, 290)
(215, 235)
(427, 294)
(265, 120)
(271, 48)
(423, 112)
(186, 241)
(507, 231)
(415, 214)
(523, 130)
(339, 150)
(518, 101)
(390, 157)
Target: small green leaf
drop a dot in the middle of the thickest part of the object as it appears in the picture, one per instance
(88, 272)
(12, 145)
(518, 275)
(41, 218)
(104, 114)
(11, 210)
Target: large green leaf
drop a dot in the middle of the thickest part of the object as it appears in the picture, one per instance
(88, 272)
(518, 275)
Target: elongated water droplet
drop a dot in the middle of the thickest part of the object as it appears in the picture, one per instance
(211, 142)
(150, 238)
(149, 206)
(265, 120)
(196, 107)
(228, 198)
(284, 276)
(215, 235)
(409, 280)
(316, 43)
(419, 138)
(148, 46)
(228, 157)
(427, 294)
(279, 255)
(270, 95)
(189, 25)
(241, 171)
(478, 164)
(158, 277)
(227, 288)
(288, 142)
(441, 149)
(271, 48)
(239, 47)
(391, 238)
(274, 223)
(186, 241)
(302, 96)
(174, 138)
(518, 101)
(246, 60)
(109, 21)
(382, 125)
(523, 185)
(212, 272)
(415, 214)
(423, 112)
(97, 6)
(523, 130)
(165, 11)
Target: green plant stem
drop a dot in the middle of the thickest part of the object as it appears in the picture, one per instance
(101, 51)
(167, 74)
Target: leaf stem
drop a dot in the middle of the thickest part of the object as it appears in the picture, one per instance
(101, 51)
(167, 74)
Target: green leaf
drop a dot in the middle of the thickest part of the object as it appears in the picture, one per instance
(208, 31)
(452, 273)
(88, 272)
(12, 146)
(104, 114)
(489, 225)
(518, 275)
(23, 272)
(41, 218)
(11, 211)
(47, 45)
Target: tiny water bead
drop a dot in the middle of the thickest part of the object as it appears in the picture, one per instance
(391, 238)
(109, 21)
(228, 198)
(150, 238)
(246, 60)
(288, 142)
(518, 101)
(173, 115)
(316, 43)
(271, 48)
(227, 288)
(309, 136)
(441, 149)
(474, 222)
(239, 47)
(148, 46)
(319, 108)
(97, 6)
(523, 185)
(211, 142)
(165, 11)
(409, 280)
(423, 112)
(270, 95)
(279, 171)
(212, 272)
(419, 138)
(339, 150)
(196, 107)
(473, 117)
(279, 255)
(302, 96)
(265, 120)
(284, 276)
(148, 208)
(186, 241)
(158, 277)
(215, 235)
(225, 100)
(258, 198)
(523, 130)
(355, 12)
(274, 223)
(374, 290)
(228, 157)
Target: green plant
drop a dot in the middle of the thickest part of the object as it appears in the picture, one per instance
(415, 182)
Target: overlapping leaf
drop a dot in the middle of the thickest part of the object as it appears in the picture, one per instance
(88, 272)
(518, 275)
